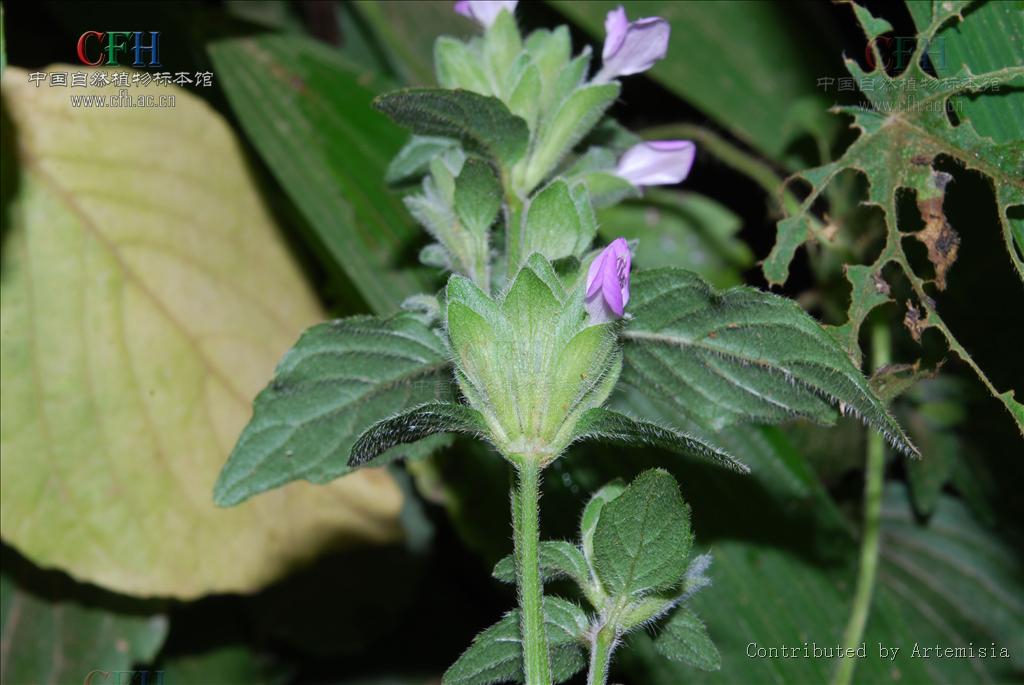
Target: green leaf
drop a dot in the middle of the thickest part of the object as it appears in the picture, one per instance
(502, 44)
(685, 638)
(339, 379)
(741, 355)
(496, 655)
(592, 514)
(558, 559)
(460, 65)
(747, 87)
(680, 229)
(311, 122)
(481, 122)
(573, 119)
(415, 424)
(414, 158)
(556, 226)
(143, 307)
(49, 639)
(643, 537)
(606, 426)
(949, 582)
(477, 196)
(902, 132)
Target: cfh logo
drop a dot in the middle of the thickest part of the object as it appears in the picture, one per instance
(896, 52)
(106, 48)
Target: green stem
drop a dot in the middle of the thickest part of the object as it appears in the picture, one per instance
(526, 534)
(873, 481)
(601, 646)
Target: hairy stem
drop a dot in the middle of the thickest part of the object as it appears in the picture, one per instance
(601, 646)
(874, 477)
(526, 533)
(513, 232)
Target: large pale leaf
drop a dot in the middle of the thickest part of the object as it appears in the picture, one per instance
(740, 355)
(145, 299)
(52, 638)
(339, 379)
(736, 61)
(308, 113)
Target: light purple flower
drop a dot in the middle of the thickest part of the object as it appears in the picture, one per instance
(631, 47)
(657, 162)
(608, 281)
(484, 12)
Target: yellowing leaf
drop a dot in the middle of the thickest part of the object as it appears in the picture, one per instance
(146, 297)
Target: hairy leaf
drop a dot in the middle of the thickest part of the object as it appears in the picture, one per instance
(483, 123)
(307, 112)
(604, 425)
(558, 559)
(144, 304)
(740, 355)
(477, 196)
(592, 514)
(414, 158)
(339, 379)
(643, 536)
(685, 638)
(415, 424)
(496, 655)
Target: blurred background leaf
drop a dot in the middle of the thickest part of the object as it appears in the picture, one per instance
(146, 297)
(307, 111)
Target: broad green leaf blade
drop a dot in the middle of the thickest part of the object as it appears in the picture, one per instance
(951, 583)
(496, 655)
(339, 379)
(685, 638)
(481, 122)
(987, 38)
(558, 559)
(741, 355)
(746, 79)
(308, 113)
(144, 305)
(477, 196)
(48, 640)
(592, 514)
(604, 425)
(643, 537)
(415, 424)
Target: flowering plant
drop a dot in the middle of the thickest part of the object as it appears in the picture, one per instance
(536, 329)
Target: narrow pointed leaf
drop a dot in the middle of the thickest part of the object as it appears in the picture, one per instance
(741, 355)
(415, 424)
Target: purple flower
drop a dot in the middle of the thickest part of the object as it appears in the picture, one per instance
(484, 12)
(608, 282)
(631, 46)
(657, 162)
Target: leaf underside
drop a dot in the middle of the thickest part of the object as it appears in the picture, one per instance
(415, 424)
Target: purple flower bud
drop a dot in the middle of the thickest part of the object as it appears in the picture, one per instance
(631, 47)
(657, 162)
(608, 282)
(484, 12)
